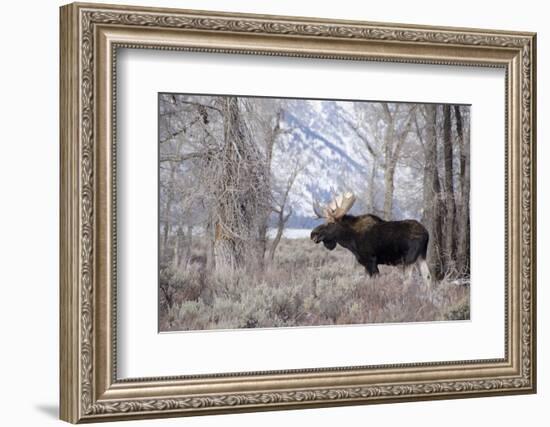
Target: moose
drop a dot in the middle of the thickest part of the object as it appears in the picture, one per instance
(373, 240)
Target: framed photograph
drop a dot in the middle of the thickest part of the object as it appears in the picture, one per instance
(267, 212)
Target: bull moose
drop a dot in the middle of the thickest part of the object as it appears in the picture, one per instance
(372, 240)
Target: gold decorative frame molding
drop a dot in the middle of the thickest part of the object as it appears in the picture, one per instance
(90, 36)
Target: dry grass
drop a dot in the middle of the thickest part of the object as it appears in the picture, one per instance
(307, 285)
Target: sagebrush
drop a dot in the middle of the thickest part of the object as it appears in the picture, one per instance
(304, 286)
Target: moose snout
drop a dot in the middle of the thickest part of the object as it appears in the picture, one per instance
(315, 236)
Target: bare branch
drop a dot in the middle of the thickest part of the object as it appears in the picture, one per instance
(364, 138)
(183, 157)
(196, 104)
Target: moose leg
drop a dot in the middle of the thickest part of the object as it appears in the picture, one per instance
(408, 270)
(426, 275)
(372, 266)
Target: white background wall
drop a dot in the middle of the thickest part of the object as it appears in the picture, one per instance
(29, 170)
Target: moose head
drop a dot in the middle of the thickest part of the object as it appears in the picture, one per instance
(333, 229)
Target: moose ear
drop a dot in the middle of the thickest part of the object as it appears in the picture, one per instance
(329, 244)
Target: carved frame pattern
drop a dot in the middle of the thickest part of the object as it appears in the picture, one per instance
(80, 22)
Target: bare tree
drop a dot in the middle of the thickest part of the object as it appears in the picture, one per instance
(268, 121)
(395, 136)
(282, 210)
(178, 240)
(169, 200)
(383, 128)
(450, 206)
(172, 140)
(186, 145)
(238, 187)
(370, 141)
(431, 216)
(463, 220)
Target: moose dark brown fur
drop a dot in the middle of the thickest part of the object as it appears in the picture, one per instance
(374, 241)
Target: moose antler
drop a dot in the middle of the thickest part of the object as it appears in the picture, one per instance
(337, 208)
(317, 209)
(340, 206)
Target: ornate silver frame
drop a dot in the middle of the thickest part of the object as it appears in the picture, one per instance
(90, 35)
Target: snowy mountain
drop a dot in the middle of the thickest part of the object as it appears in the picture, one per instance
(319, 138)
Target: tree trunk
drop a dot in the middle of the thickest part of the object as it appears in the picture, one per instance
(167, 208)
(463, 221)
(262, 243)
(372, 183)
(393, 142)
(450, 206)
(229, 246)
(239, 191)
(228, 253)
(389, 163)
(281, 223)
(431, 193)
(177, 249)
(282, 218)
(263, 228)
(210, 256)
(188, 243)
(388, 196)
